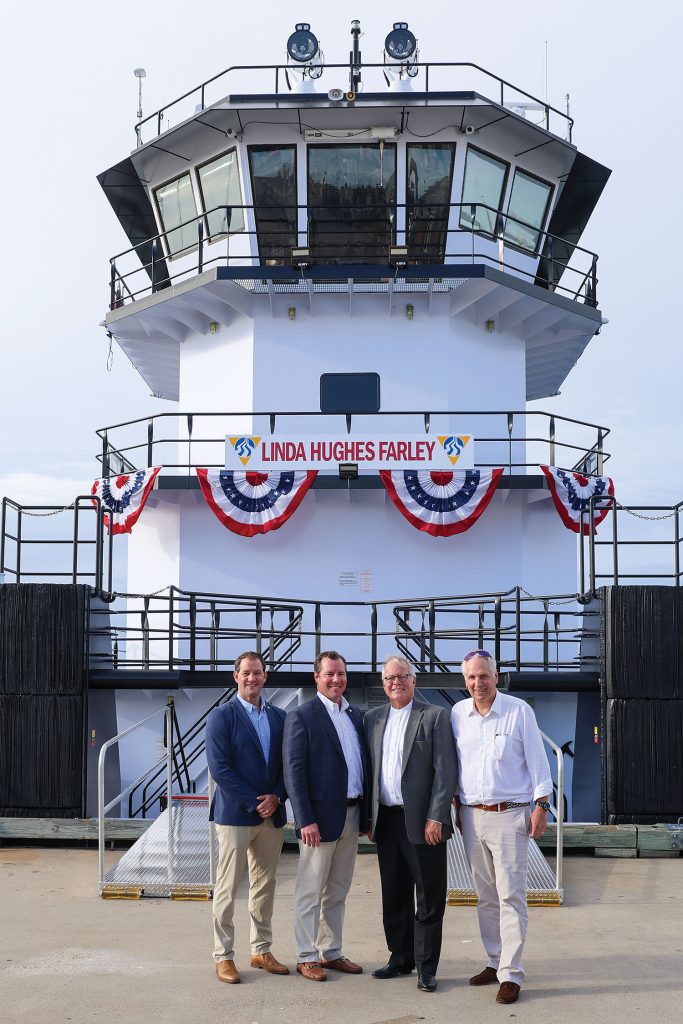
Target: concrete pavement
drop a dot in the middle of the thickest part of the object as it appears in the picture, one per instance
(613, 953)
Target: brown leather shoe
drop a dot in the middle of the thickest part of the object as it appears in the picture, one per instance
(508, 992)
(267, 962)
(485, 977)
(343, 964)
(226, 971)
(313, 971)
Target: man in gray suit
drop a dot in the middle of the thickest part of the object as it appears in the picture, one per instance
(414, 777)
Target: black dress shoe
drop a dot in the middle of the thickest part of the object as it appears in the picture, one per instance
(392, 970)
(426, 982)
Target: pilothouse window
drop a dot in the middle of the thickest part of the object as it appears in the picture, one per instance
(176, 205)
(219, 184)
(351, 202)
(482, 192)
(529, 203)
(430, 175)
(273, 185)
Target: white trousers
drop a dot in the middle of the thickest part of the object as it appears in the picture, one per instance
(322, 883)
(497, 847)
(257, 846)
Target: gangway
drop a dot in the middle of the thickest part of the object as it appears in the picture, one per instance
(176, 857)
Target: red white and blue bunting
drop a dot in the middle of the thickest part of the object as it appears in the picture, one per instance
(123, 498)
(572, 492)
(250, 503)
(441, 503)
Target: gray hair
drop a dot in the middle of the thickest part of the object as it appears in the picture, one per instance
(403, 661)
(491, 662)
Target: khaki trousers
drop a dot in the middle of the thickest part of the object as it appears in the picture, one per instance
(497, 847)
(258, 846)
(322, 883)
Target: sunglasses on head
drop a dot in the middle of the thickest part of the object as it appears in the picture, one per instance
(477, 654)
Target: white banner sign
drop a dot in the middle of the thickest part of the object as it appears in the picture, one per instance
(282, 453)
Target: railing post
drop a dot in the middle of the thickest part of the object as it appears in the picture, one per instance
(511, 427)
(170, 628)
(545, 635)
(551, 440)
(317, 626)
(518, 629)
(112, 285)
(497, 616)
(19, 526)
(480, 627)
(145, 631)
(600, 459)
(193, 630)
(150, 442)
(259, 625)
(594, 280)
(105, 455)
(154, 265)
(677, 544)
(473, 215)
(168, 718)
(74, 559)
(373, 641)
(432, 636)
(213, 646)
(551, 276)
(3, 528)
(200, 247)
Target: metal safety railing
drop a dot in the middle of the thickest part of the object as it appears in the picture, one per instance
(103, 808)
(437, 76)
(387, 234)
(516, 439)
(557, 810)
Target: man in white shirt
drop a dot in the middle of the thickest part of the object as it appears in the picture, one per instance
(502, 768)
(413, 781)
(326, 775)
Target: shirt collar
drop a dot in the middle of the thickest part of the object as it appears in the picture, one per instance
(397, 711)
(332, 706)
(251, 708)
(495, 709)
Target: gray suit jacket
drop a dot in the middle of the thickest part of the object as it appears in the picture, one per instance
(429, 773)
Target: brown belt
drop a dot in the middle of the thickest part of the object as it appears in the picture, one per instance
(495, 807)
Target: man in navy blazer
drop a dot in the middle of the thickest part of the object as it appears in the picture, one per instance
(327, 775)
(244, 755)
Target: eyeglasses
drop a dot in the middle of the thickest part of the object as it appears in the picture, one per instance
(477, 654)
(398, 678)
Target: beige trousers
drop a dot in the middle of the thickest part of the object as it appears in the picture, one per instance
(258, 846)
(497, 847)
(322, 883)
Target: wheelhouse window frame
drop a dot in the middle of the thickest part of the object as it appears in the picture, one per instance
(170, 252)
(528, 250)
(212, 237)
(467, 224)
(409, 205)
(286, 256)
(391, 207)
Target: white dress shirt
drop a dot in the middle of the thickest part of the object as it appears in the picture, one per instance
(350, 744)
(500, 755)
(392, 756)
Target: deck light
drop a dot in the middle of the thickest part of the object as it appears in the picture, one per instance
(348, 470)
(213, 327)
(400, 44)
(302, 45)
(291, 312)
(410, 311)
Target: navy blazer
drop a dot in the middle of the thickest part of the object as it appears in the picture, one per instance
(315, 770)
(238, 767)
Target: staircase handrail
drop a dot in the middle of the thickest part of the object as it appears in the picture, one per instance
(556, 810)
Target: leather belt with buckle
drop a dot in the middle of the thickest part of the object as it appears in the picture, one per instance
(496, 807)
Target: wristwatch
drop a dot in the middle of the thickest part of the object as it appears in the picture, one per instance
(544, 804)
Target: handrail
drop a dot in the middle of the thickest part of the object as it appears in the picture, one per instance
(502, 83)
(556, 810)
(167, 711)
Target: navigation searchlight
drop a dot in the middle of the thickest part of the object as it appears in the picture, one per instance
(305, 56)
(400, 56)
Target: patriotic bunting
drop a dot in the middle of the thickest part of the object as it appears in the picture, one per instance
(571, 493)
(123, 498)
(441, 503)
(248, 502)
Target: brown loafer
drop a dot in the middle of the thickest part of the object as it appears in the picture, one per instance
(485, 977)
(227, 972)
(343, 964)
(313, 971)
(508, 992)
(267, 962)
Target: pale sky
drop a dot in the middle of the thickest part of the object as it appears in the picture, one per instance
(69, 103)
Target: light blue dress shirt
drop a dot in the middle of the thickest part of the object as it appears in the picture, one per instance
(258, 717)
